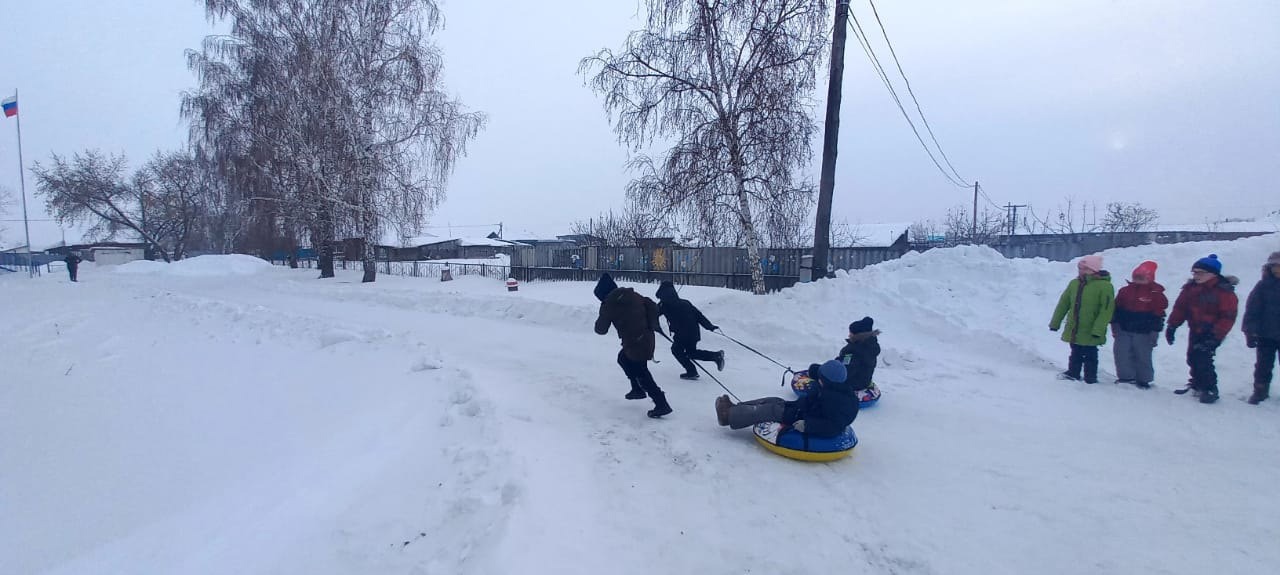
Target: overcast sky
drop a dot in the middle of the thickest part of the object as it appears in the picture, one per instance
(1172, 104)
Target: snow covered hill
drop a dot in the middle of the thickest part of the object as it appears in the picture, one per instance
(219, 416)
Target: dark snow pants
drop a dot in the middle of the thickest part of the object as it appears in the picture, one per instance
(1268, 352)
(685, 351)
(1086, 357)
(749, 413)
(1200, 352)
(639, 376)
(71, 270)
(1133, 355)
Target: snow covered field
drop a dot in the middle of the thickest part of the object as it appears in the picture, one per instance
(222, 416)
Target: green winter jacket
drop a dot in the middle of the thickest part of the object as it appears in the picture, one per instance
(1088, 305)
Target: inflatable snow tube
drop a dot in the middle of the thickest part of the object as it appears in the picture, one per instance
(795, 445)
(801, 382)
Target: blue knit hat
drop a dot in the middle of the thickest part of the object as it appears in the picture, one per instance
(1209, 264)
(833, 371)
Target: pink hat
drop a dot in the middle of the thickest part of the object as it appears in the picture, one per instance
(1090, 264)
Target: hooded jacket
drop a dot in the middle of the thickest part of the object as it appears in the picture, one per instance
(1262, 309)
(859, 356)
(1087, 304)
(826, 410)
(1140, 308)
(682, 316)
(632, 315)
(1208, 309)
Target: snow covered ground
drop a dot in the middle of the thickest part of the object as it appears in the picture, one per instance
(222, 416)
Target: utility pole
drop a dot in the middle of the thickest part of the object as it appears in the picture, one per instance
(1011, 212)
(830, 141)
(973, 235)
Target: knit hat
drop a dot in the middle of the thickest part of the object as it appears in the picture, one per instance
(1146, 270)
(1090, 264)
(833, 371)
(1274, 260)
(605, 286)
(862, 325)
(1209, 264)
(667, 290)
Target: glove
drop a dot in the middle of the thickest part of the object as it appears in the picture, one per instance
(715, 328)
(813, 370)
(798, 426)
(1053, 328)
(1168, 336)
(1250, 341)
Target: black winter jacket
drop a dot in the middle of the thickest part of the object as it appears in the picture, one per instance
(826, 410)
(859, 357)
(1262, 309)
(682, 317)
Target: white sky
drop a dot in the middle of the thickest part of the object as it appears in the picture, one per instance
(1173, 104)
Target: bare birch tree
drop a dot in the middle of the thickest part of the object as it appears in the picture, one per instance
(1129, 217)
(730, 83)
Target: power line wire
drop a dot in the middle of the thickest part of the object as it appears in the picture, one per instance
(884, 77)
(911, 92)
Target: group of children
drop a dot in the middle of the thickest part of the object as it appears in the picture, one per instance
(1135, 317)
(825, 411)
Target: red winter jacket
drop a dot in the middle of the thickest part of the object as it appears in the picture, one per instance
(1209, 307)
(1140, 308)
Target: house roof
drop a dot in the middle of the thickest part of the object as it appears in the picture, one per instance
(472, 242)
(877, 235)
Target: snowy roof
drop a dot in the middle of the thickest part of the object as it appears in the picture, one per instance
(1258, 225)
(473, 241)
(877, 235)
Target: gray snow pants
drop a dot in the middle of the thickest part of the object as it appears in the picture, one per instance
(1133, 355)
(749, 413)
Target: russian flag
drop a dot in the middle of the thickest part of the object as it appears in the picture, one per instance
(10, 106)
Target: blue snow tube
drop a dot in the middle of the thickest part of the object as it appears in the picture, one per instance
(800, 383)
(788, 442)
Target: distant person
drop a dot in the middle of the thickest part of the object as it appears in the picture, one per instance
(1087, 304)
(635, 318)
(1207, 304)
(684, 321)
(1262, 326)
(73, 264)
(1138, 321)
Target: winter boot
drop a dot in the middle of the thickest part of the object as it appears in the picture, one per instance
(1068, 377)
(660, 405)
(690, 376)
(1125, 381)
(1142, 384)
(1260, 394)
(722, 410)
(720, 360)
(636, 392)
(1209, 395)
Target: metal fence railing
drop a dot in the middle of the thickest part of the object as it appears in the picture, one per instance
(414, 269)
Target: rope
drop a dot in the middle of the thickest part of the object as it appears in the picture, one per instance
(753, 350)
(704, 370)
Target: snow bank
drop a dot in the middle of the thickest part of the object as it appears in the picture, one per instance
(200, 266)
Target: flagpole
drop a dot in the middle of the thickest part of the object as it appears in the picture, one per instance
(22, 178)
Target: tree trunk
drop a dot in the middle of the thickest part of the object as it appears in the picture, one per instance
(324, 242)
(369, 249)
(753, 240)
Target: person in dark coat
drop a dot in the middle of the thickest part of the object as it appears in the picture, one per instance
(635, 318)
(1261, 326)
(1207, 304)
(860, 353)
(685, 323)
(73, 264)
(1137, 324)
(825, 411)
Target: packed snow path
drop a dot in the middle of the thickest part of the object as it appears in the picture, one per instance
(217, 417)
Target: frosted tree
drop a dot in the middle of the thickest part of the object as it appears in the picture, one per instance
(730, 84)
